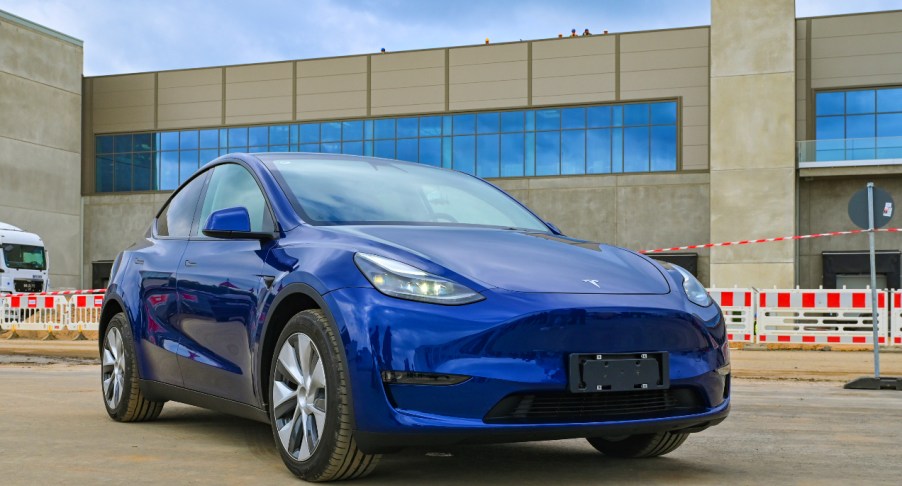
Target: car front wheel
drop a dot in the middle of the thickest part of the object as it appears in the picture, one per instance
(309, 406)
(641, 445)
(119, 376)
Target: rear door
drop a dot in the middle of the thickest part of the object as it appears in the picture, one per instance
(221, 284)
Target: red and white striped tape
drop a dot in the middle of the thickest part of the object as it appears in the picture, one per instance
(771, 240)
(58, 292)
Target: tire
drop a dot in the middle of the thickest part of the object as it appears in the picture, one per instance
(639, 446)
(122, 396)
(309, 406)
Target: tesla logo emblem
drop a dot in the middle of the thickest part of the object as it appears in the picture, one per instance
(593, 282)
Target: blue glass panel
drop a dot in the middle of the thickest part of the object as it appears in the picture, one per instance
(209, 139)
(352, 130)
(431, 149)
(258, 137)
(512, 121)
(487, 122)
(331, 132)
(237, 137)
(860, 148)
(889, 100)
(464, 152)
(143, 142)
(309, 133)
(384, 149)
(223, 151)
(295, 137)
(368, 129)
(860, 126)
(548, 119)
(635, 149)
(352, 148)
(530, 121)
(385, 128)
(599, 116)
(889, 125)
(830, 103)
(430, 126)
(664, 113)
(512, 153)
(142, 174)
(408, 149)
(830, 128)
(279, 135)
(529, 168)
(617, 116)
(487, 152)
(617, 150)
(635, 114)
(103, 175)
(188, 140)
(123, 143)
(188, 163)
(254, 150)
(861, 101)
(208, 156)
(104, 145)
(279, 148)
(169, 171)
(447, 122)
(407, 128)
(331, 148)
(368, 148)
(123, 172)
(169, 141)
(573, 152)
(309, 147)
(464, 125)
(573, 118)
(447, 159)
(663, 148)
(598, 151)
(548, 153)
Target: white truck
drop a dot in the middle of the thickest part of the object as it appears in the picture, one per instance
(23, 261)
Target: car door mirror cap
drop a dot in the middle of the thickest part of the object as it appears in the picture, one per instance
(233, 223)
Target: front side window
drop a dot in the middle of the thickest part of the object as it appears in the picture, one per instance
(174, 221)
(24, 257)
(232, 186)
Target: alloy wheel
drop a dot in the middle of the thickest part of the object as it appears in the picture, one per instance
(299, 396)
(113, 368)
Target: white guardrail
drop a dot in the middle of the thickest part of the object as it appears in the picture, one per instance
(796, 316)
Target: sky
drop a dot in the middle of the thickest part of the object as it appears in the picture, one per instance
(126, 36)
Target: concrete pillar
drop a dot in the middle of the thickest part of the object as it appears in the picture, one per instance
(753, 168)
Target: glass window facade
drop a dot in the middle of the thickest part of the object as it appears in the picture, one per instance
(602, 139)
(858, 124)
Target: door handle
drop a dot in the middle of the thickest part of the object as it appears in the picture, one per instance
(189, 263)
(139, 261)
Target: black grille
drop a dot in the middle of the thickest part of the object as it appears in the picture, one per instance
(595, 407)
(28, 285)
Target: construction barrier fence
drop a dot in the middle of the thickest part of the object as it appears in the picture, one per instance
(738, 306)
(896, 319)
(50, 312)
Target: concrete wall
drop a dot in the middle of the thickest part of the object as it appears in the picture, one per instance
(40, 140)
(753, 167)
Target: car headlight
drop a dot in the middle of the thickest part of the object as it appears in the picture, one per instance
(694, 289)
(403, 281)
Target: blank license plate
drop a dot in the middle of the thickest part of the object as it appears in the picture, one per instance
(618, 372)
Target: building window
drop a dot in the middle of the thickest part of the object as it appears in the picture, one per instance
(860, 124)
(601, 139)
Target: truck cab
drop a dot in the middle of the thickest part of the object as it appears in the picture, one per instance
(23, 261)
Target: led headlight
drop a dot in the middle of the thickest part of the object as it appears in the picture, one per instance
(694, 289)
(403, 281)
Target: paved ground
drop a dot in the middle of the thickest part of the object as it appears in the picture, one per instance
(53, 429)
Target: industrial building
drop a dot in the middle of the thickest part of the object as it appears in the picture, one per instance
(760, 125)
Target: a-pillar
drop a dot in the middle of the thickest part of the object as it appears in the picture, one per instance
(753, 167)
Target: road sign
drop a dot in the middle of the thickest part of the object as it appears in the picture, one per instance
(884, 208)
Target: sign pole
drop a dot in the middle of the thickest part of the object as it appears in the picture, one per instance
(874, 316)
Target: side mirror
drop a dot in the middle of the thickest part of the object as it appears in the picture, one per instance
(232, 223)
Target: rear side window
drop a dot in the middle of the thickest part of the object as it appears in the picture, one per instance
(232, 186)
(176, 218)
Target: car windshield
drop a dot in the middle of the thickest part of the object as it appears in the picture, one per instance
(374, 191)
(24, 256)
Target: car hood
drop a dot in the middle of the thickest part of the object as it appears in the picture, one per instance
(523, 261)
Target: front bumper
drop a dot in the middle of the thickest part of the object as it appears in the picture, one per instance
(511, 344)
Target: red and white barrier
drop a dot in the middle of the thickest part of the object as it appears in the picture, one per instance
(738, 306)
(84, 312)
(51, 311)
(820, 316)
(896, 318)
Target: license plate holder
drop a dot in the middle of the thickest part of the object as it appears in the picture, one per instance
(609, 372)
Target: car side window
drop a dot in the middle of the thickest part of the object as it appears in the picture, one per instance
(174, 221)
(231, 185)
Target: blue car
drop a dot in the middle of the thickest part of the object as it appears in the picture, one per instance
(360, 306)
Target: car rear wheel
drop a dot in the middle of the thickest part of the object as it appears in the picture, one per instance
(309, 406)
(119, 377)
(641, 445)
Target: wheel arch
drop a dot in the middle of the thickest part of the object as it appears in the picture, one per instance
(112, 305)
